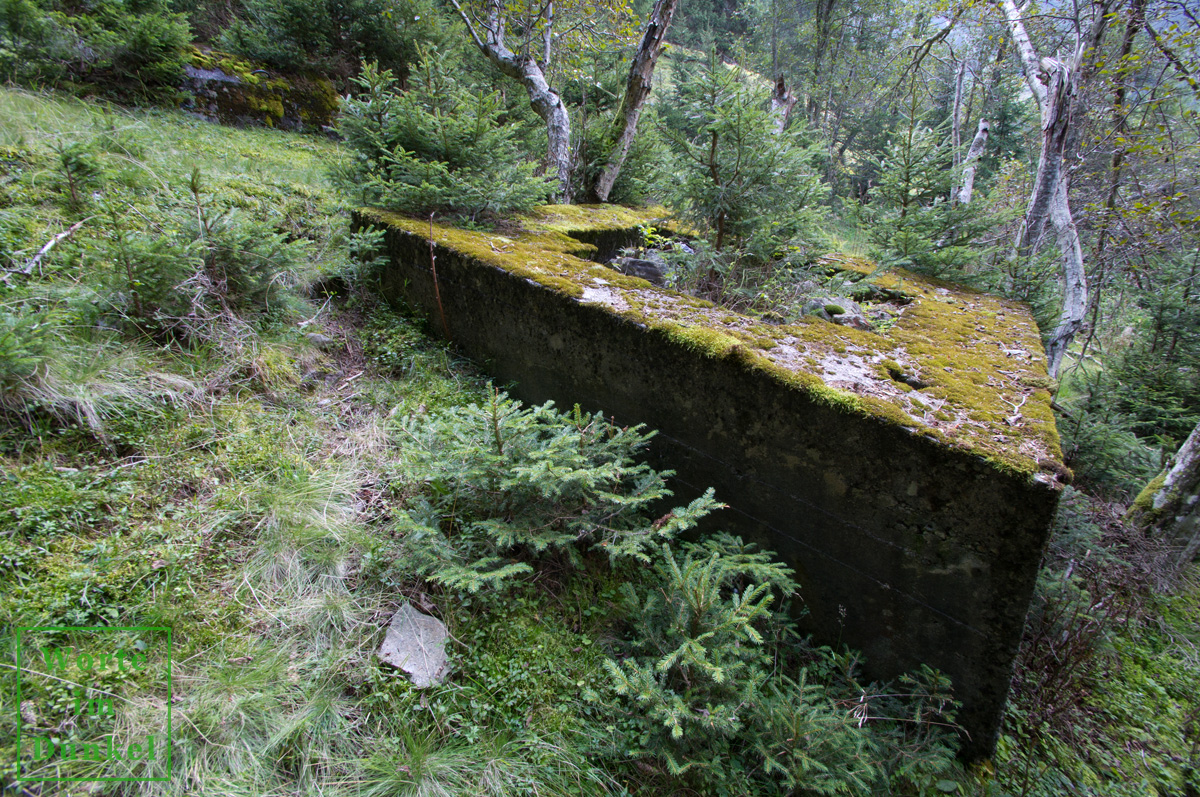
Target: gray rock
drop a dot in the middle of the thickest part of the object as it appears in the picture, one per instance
(648, 270)
(322, 342)
(210, 76)
(839, 310)
(855, 320)
(416, 644)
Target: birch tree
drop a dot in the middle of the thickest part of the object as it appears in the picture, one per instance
(971, 163)
(637, 91)
(1170, 505)
(1055, 85)
(542, 29)
(489, 30)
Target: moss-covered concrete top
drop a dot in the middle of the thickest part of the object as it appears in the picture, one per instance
(958, 366)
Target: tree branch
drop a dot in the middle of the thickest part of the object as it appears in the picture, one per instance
(1175, 60)
(470, 27)
(1029, 58)
(36, 260)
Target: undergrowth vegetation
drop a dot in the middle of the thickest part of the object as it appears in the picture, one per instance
(208, 423)
(438, 147)
(197, 436)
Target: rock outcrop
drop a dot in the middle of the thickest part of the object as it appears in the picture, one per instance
(229, 90)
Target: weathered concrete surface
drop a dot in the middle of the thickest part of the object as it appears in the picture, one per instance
(915, 517)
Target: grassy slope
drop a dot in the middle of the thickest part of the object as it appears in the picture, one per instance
(233, 493)
(242, 493)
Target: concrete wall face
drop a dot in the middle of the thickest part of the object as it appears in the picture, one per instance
(909, 550)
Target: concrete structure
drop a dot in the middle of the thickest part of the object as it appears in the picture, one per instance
(909, 477)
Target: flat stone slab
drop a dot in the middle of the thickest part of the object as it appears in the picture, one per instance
(908, 476)
(416, 644)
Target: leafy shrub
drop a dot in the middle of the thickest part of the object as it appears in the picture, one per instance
(699, 677)
(1099, 440)
(734, 174)
(25, 342)
(912, 223)
(499, 482)
(14, 239)
(834, 755)
(151, 269)
(34, 45)
(701, 662)
(79, 169)
(249, 263)
(437, 147)
(199, 268)
(152, 45)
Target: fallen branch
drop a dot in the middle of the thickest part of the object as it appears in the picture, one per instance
(36, 260)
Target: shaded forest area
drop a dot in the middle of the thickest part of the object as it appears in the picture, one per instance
(209, 422)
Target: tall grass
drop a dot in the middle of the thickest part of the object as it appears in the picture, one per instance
(169, 144)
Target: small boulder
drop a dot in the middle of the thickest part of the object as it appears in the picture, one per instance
(650, 270)
(839, 310)
(416, 644)
(322, 342)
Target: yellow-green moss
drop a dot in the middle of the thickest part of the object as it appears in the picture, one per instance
(1044, 382)
(995, 405)
(228, 63)
(311, 99)
(1142, 509)
(707, 341)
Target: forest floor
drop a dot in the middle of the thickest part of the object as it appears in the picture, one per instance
(242, 491)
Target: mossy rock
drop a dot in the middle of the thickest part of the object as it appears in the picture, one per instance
(231, 90)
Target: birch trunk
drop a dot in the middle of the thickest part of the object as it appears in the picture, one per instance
(956, 117)
(1054, 85)
(637, 91)
(525, 69)
(782, 102)
(970, 163)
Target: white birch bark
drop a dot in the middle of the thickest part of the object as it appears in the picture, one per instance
(782, 102)
(1172, 510)
(1053, 84)
(525, 68)
(970, 163)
